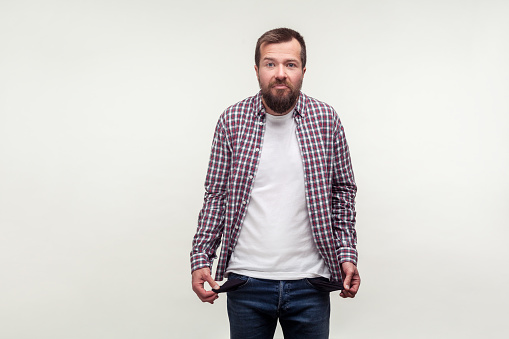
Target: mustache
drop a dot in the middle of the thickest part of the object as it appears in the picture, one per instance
(281, 82)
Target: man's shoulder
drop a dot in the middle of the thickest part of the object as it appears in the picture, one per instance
(248, 106)
(312, 106)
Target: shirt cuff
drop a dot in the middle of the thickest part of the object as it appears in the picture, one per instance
(199, 260)
(347, 254)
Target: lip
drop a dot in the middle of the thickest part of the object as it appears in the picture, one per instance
(279, 86)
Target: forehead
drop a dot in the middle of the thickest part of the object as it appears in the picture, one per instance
(283, 50)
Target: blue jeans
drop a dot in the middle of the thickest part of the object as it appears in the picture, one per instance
(255, 307)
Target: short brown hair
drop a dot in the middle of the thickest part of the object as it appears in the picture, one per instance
(279, 35)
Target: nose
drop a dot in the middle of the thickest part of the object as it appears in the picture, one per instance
(280, 73)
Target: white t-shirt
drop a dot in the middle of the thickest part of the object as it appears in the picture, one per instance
(276, 241)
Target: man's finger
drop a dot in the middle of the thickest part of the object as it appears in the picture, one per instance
(346, 294)
(355, 287)
(211, 282)
(346, 281)
(208, 297)
(203, 294)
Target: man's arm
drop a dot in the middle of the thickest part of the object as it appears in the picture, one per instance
(344, 190)
(212, 215)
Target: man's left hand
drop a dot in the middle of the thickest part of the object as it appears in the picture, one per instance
(351, 280)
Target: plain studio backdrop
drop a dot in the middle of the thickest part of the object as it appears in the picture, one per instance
(107, 111)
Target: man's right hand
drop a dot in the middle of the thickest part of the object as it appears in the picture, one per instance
(200, 276)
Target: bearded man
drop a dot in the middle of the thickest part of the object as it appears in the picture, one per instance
(280, 199)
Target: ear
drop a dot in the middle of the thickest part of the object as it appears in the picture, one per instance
(303, 71)
(256, 71)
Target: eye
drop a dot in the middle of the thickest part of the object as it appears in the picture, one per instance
(291, 64)
(270, 64)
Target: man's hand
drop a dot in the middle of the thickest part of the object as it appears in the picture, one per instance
(351, 280)
(200, 276)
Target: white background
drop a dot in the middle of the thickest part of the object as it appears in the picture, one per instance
(107, 110)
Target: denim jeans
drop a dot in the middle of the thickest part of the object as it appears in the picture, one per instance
(255, 307)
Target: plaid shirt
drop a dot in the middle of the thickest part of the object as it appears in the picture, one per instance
(329, 182)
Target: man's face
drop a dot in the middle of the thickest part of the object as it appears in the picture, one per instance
(280, 76)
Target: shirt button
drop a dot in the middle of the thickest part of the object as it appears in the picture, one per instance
(257, 149)
(251, 177)
(243, 202)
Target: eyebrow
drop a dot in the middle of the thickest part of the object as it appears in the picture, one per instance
(287, 60)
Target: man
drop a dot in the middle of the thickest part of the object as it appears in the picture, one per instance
(280, 194)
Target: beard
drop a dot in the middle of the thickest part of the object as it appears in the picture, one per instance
(282, 101)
